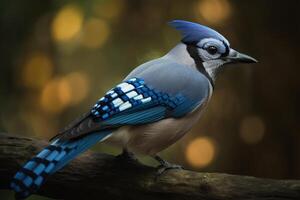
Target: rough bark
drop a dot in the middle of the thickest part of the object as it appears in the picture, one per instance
(101, 176)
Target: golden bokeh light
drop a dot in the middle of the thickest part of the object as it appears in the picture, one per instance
(95, 33)
(200, 152)
(67, 23)
(37, 70)
(78, 86)
(55, 96)
(252, 130)
(62, 92)
(213, 11)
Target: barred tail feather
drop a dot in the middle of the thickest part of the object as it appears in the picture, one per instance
(34, 173)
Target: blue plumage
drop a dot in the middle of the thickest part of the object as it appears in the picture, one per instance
(132, 102)
(134, 95)
(138, 117)
(157, 94)
(193, 32)
(52, 158)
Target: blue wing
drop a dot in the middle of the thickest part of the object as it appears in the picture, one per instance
(132, 102)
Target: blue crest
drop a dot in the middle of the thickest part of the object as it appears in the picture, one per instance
(193, 32)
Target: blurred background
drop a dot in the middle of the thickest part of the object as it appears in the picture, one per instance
(58, 57)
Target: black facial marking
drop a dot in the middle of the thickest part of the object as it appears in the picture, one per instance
(193, 51)
(227, 50)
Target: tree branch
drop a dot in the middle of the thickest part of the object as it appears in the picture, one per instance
(96, 175)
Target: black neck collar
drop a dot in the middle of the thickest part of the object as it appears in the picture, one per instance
(193, 51)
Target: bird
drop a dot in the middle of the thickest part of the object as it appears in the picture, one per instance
(153, 107)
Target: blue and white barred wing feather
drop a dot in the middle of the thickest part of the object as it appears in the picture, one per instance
(132, 102)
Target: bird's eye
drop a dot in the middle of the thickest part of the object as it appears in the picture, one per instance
(212, 50)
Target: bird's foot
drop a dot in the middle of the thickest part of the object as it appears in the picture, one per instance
(127, 156)
(165, 166)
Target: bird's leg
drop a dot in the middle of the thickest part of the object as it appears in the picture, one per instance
(165, 165)
(127, 156)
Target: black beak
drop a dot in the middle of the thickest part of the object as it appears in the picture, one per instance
(236, 57)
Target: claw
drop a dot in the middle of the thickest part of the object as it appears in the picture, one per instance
(165, 166)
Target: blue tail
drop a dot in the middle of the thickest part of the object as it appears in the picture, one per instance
(33, 174)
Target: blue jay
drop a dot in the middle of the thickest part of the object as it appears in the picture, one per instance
(154, 106)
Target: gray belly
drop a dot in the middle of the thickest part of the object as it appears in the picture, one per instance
(152, 138)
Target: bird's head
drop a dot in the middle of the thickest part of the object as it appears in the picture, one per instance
(207, 47)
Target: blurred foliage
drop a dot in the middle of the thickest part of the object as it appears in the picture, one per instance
(59, 57)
